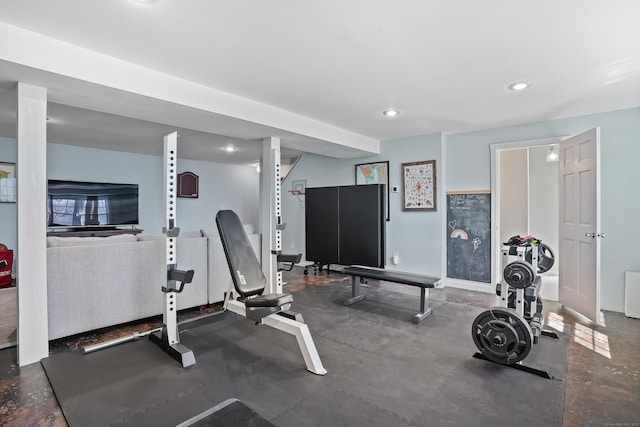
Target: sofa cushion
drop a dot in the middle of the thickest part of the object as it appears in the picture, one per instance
(209, 233)
(58, 241)
(189, 234)
(147, 237)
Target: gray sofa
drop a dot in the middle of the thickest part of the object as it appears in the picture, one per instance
(95, 282)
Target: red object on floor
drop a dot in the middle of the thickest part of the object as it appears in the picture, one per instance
(6, 264)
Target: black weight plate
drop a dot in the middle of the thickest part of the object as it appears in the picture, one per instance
(499, 340)
(546, 258)
(502, 336)
(518, 274)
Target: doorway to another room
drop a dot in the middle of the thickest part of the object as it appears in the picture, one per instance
(525, 201)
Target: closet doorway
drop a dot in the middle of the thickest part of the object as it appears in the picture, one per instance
(525, 201)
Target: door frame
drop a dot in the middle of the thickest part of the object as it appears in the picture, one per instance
(496, 149)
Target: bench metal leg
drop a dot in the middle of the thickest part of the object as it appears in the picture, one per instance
(303, 336)
(299, 330)
(355, 292)
(355, 297)
(424, 312)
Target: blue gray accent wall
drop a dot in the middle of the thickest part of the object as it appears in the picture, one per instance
(464, 165)
(468, 167)
(416, 236)
(221, 186)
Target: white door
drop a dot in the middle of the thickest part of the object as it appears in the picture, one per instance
(579, 179)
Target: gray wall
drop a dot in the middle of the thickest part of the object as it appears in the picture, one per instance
(465, 165)
(468, 168)
(221, 186)
(416, 236)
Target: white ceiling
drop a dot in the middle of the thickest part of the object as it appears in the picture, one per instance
(444, 64)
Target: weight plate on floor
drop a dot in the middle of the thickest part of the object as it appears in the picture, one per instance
(546, 258)
(502, 336)
(519, 274)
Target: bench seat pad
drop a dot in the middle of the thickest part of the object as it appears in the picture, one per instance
(269, 300)
(392, 276)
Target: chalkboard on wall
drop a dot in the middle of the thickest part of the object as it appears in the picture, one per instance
(469, 236)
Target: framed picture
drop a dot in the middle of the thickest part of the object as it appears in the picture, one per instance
(8, 189)
(419, 186)
(188, 185)
(375, 173)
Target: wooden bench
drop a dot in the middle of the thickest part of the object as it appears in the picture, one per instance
(359, 274)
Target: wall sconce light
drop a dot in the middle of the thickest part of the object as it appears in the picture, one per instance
(552, 154)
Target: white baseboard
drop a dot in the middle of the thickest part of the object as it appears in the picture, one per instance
(470, 286)
(632, 294)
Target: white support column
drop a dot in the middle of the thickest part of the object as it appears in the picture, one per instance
(33, 330)
(270, 213)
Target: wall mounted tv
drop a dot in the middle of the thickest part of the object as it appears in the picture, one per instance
(75, 204)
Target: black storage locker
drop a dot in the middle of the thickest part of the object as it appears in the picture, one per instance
(346, 225)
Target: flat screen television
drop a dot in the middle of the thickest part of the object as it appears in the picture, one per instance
(76, 204)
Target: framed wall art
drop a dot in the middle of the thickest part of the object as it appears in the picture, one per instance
(8, 184)
(375, 173)
(188, 185)
(419, 186)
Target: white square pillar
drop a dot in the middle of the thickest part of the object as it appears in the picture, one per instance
(33, 330)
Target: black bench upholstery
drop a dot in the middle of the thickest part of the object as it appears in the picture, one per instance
(246, 273)
(360, 273)
(290, 259)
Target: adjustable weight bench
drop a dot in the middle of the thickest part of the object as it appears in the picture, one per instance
(249, 283)
(359, 274)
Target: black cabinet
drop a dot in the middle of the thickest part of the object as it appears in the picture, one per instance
(345, 225)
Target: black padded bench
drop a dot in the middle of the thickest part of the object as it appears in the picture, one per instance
(289, 259)
(359, 273)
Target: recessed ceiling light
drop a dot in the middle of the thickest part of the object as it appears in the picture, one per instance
(146, 1)
(519, 85)
(390, 113)
(229, 148)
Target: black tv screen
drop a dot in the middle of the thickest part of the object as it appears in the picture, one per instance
(91, 204)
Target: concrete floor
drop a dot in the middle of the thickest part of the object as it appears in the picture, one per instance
(602, 384)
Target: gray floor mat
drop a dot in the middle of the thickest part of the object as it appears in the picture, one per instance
(383, 370)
